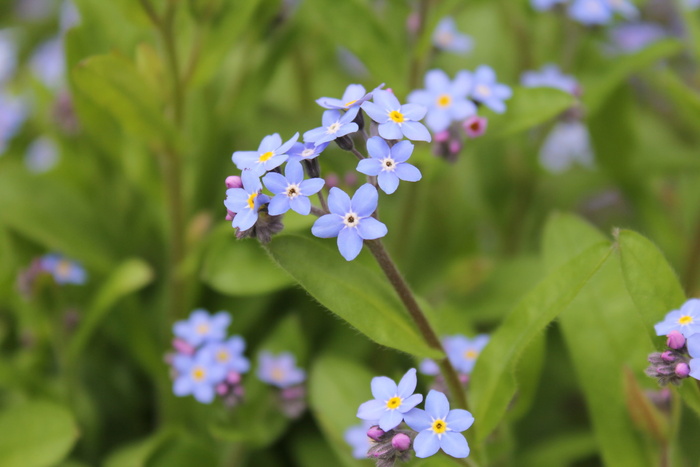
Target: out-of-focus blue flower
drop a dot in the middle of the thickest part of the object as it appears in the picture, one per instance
(396, 120)
(447, 37)
(389, 164)
(246, 201)
(354, 96)
(566, 144)
(429, 367)
(686, 320)
(439, 427)
(228, 354)
(350, 220)
(356, 437)
(550, 76)
(624, 7)
(305, 151)
(42, 155)
(13, 112)
(631, 37)
(63, 270)
(691, 4)
(48, 63)
(541, 5)
(487, 91)
(291, 190)
(8, 55)
(463, 351)
(391, 401)
(270, 154)
(197, 375)
(591, 12)
(445, 100)
(693, 343)
(69, 15)
(280, 370)
(351, 63)
(202, 327)
(334, 125)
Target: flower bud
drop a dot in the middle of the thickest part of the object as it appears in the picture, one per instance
(233, 377)
(401, 441)
(345, 143)
(375, 432)
(475, 126)
(182, 347)
(230, 215)
(441, 136)
(668, 356)
(221, 389)
(682, 370)
(675, 340)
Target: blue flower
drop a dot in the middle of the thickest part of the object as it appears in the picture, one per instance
(591, 12)
(197, 375)
(624, 7)
(445, 100)
(691, 4)
(693, 343)
(8, 55)
(390, 401)
(13, 112)
(353, 97)
(280, 371)
(632, 37)
(447, 37)
(550, 76)
(334, 125)
(291, 190)
(356, 437)
(487, 91)
(389, 163)
(42, 155)
(429, 367)
(541, 5)
(305, 151)
(63, 270)
(246, 201)
(202, 327)
(270, 154)
(439, 427)
(396, 120)
(463, 351)
(566, 144)
(350, 220)
(686, 320)
(228, 354)
(48, 63)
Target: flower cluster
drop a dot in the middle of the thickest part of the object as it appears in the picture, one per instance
(62, 270)
(462, 353)
(682, 358)
(206, 363)
(591, 12)
(281, 372)
(397, 425)
(446, 37)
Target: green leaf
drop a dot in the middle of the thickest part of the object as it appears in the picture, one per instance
(651, 282)
(240, 267)
(563, 449)
(36, 434)
(528, 108)
(127, 278)
(137, 454)
(350, 290)
(493, 383)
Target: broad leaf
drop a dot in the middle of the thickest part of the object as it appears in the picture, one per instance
(528, 108)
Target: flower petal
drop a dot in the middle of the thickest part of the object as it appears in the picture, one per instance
(278, 205)
(353, 92)
(182, 386)
(330, 117)
(300, 204)
(375, 112)
(388, 182)
(364, 201)
(436, 404)
(369, 166)
(461, 109)
(383, 388)
(294, 172)
(270, 143)
(413, 112)
(349, 244)
(311, 186)
(418, 419)
(314, 135)
(454, 444)
(438, 120)
(459, 420)
(390, 420)
(378, 148)
(408, 172)
(204, 393)
(407, 385)
(401, 151)
(275, 182)
(390, 130)
(437, 81)
(426, 444)
(327, 226)
(410, 402)
(386, 100)
(338, 201)
(371, 410)
(421, 97)
(370, 229)
(245, 219)
(286, 146)
(462, 84)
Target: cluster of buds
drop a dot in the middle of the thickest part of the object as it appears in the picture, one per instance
(387, 447)
(671, 365)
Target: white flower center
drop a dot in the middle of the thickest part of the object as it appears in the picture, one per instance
(388, 165)
(483, 90)
(333, 129)
(351, 219)
(293, 190)
(307, 153)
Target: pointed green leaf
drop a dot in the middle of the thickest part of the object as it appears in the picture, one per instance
(528, 108)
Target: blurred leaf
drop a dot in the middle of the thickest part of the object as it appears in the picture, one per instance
(528, 108)
(561, 450)
(236, 267)
(645, 415)
(137, 454)
(353, 292)
(127, 278)
(36, 434)
(184, 451)
(527, 374)
(493, 384)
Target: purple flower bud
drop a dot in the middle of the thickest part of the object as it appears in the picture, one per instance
(221, 389)
(455, 146)
(668, 356)
(295, 392)
(234, 181)
(401, 442)
(675, 340)
(442, 136)
(375, 432)
(233, 377)
(682, 370)
(475, 126)
(182, 347)
(332, 180)
(230, 215)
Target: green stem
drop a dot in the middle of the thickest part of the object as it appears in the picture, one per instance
(408, 299)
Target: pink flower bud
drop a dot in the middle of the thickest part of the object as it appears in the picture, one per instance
(401, 442)
(375, 432)
(682, 370)
(475, 126)
(230, 215)
(332, 180)
(455, 146)
(234, 181)
(182, 347)
(221, 389)
(668, 356)
(675, 340)
(441, 136)
(233, 377)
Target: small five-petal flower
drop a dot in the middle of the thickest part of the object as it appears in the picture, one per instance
(389, 164)
(270, 154)
(334, 125)
(291, 190)
(391, 401)
(487, 91)
(396, 120)
(686, 320)
(246, 201)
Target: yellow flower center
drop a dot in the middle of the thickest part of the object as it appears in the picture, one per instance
(277, 374)
(348, 104)
(396, 116)
(198, 373)
(63, 268)
(266, 156)
(685, 320)
(444, 100)
(483, 90)
(444, 38)
(393, 403)
(471, 354)
(202, 328)
(439, 426)
(251, 200)
(222, 356)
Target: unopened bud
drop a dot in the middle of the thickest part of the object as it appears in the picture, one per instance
(682, 370)
(455, 146)
(221, 389)
(234, 181)
(360, 120)
(233, 377)
(230, 215)
(182, 347)
(675, 340)
(475, 126)
(375, 432)
(668, 356)
(441, 136)
(401, 442)
(345, 143)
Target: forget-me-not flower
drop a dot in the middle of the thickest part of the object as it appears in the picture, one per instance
(463, 351)
(591, 12)
(202, 327)
(541, 5)
(389, 164)
(48, 63)
(391, 401)
(8, 55)
(356, 437)
(550, 76)
(334, 124)
(567, 143)
(624, 7)
(686, 320)
(291, 190)
(447, 37)
(280, 370)
(228, 354)
(487, 91)
(439, 427)
(246, 201)
(270, 154)
(631, 37)
(197, 375)
(350, 220)
(353, 97)
(305, 151)
(42, 155)
(693, 343)
(445, 100)
(13, 112)
(396, 120)
(63, 270)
